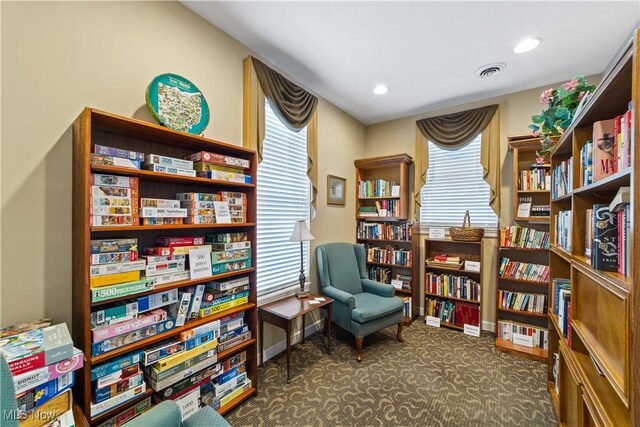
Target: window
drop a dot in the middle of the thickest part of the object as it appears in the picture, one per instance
(283, 198)
(454, 184)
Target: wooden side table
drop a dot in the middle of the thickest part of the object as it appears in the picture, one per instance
(283, 312)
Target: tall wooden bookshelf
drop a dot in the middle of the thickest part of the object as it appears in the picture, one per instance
(466, 251)
(599, 368)
(537, 191)
(97, 127)
(394, 169)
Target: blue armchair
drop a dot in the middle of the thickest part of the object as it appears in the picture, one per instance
(167, 414)
(361, 306)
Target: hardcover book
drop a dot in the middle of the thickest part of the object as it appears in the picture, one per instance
(604, 149)
(604, 251)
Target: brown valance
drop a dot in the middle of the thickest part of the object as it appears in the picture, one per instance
(457, 129)
(293, 105)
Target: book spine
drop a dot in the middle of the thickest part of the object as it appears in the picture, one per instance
(98, 179)
(155, 159)
(171, 170)
(114, 390)
(131, 337)
(98, 408)
(118, 152)
(121, 267)
(109, 331)
(106, 293)
(204, 312)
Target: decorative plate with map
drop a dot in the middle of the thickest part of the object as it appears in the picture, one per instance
(177, 103)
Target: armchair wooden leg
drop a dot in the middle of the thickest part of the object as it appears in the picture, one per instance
(359, 349)
(399, 334)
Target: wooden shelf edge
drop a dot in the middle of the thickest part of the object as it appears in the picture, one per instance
(560, 252)
(382, 240)
(534, 353)
(382, 264)
(380, 218)
(567, 196)
(523, 312)
(235, 402)
(128, 228)
(615, 279)
(453, 270)
(174, 285)
(515, 248)
(175, 331)
(379, 198)
(429, 294)
(555, 399)
(616, 179)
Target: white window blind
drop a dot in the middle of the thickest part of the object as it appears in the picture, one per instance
(454, 184)
(283, 198)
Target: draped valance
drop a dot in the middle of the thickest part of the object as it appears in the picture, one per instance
(455, 130)
(293, 105)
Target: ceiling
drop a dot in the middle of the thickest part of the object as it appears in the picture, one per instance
(425, 52)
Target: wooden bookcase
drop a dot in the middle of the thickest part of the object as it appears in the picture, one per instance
(97, 127)
(394, 168)
(599, 371)
(467, 251)
(524, 149)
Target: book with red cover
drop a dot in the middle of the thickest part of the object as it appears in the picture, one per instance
(604, 149)
(467, 313)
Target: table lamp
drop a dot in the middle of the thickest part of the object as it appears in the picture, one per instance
(301, 234)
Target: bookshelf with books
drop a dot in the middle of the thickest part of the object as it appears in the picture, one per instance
(595, 302)
(163, 286)
(522, 299)
(383, 225)
(452, 286)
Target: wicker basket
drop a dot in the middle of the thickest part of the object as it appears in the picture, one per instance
(466, 233)
(447, 266)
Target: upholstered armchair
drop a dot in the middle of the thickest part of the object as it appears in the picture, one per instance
(361, 306)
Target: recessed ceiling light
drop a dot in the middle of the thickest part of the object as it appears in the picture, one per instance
(527, 44)
(380, 90)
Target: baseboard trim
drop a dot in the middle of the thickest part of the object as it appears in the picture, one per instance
(281, 345)
(488, 326)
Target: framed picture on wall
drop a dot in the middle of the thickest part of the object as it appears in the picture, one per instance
(336, 190)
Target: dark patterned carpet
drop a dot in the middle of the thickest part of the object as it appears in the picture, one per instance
(437, 377)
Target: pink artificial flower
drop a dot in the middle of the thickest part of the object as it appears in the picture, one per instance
(570, 85)
(537, 133)
(580, 96)
(546, 96)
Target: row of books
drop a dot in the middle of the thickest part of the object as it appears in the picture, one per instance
(523, 271)
(115, 201)
(522, 301)
(610, 149)
(523, 334)
(449, 285)
(562, 227)
(523, 237)
(534, 179)
(454, 312)
(202, 164)
(378, 188)
(42, 361)
(389, 255)
(123, 323)
(175, 367)
(607, 239)
(562, 305)
(118, 268)
(382, 208)
(379, 231)
(562, 179)
(379, 274)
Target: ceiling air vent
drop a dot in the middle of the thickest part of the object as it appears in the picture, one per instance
(490, 70)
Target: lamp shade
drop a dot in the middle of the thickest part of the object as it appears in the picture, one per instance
(301, 232)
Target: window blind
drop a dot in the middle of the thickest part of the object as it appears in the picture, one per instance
(283, 197)
(454, 184)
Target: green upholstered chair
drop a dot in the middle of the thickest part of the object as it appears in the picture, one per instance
(167, 414)
(361, 306)
(8, 404)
